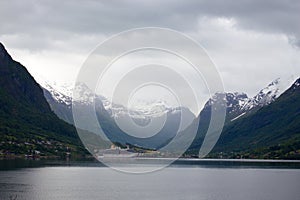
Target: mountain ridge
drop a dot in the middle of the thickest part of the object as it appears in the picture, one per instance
(239, 106)
(26, 119)
(264, 126)
(239, 102)
(271, 132)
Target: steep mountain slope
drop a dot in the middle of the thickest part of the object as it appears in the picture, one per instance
(268, 94)
(238, 105)
(63, 109)
(26, 120)
(274, 126)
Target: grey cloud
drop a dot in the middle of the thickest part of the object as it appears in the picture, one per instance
(55, 18)
(74, 27)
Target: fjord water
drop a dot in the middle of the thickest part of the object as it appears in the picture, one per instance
(174, 183)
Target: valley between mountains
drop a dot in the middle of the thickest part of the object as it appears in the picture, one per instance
(37, 120)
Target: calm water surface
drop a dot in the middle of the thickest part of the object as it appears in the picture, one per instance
(178, 182)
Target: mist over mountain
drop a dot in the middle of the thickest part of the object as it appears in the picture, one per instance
(239, 106)
(107, 113)
(266, 125)
(238, 103)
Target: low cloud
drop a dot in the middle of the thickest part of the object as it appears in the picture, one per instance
(250, 41)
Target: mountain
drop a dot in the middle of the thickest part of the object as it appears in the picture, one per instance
(26, 121)
(267, 95)
(59, 102)
(264, 126)
(273, 131)
(239, 105)
(108, 112)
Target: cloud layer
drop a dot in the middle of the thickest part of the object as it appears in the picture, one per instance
(250, 41)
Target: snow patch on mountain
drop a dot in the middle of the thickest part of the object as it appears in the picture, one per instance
(268, 94)
(296, 84)
(143, 110)
(238, 116)
(236, 103)
(85, 96)
(62, 93)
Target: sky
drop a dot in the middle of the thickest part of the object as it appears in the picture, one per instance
(251, 42)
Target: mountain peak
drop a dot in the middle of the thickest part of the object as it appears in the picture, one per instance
(2, 47)
(296, 84)
(275, 82)
(18, 85)
(3, 53)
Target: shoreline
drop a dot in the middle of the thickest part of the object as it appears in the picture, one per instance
(91, 158)
(11, 164)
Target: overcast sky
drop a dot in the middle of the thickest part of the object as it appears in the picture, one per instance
(252, 42)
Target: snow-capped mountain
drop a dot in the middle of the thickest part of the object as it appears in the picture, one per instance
(62, 95)
(267, 95)
(235, 101)
(239, 104)
(111, 115)
(276, 125)
(141, 110)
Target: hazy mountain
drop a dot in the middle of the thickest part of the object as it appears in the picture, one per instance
(239, 105)
(266, 125)
(108, 112)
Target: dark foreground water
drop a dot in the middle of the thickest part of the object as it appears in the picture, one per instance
(182, 181)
